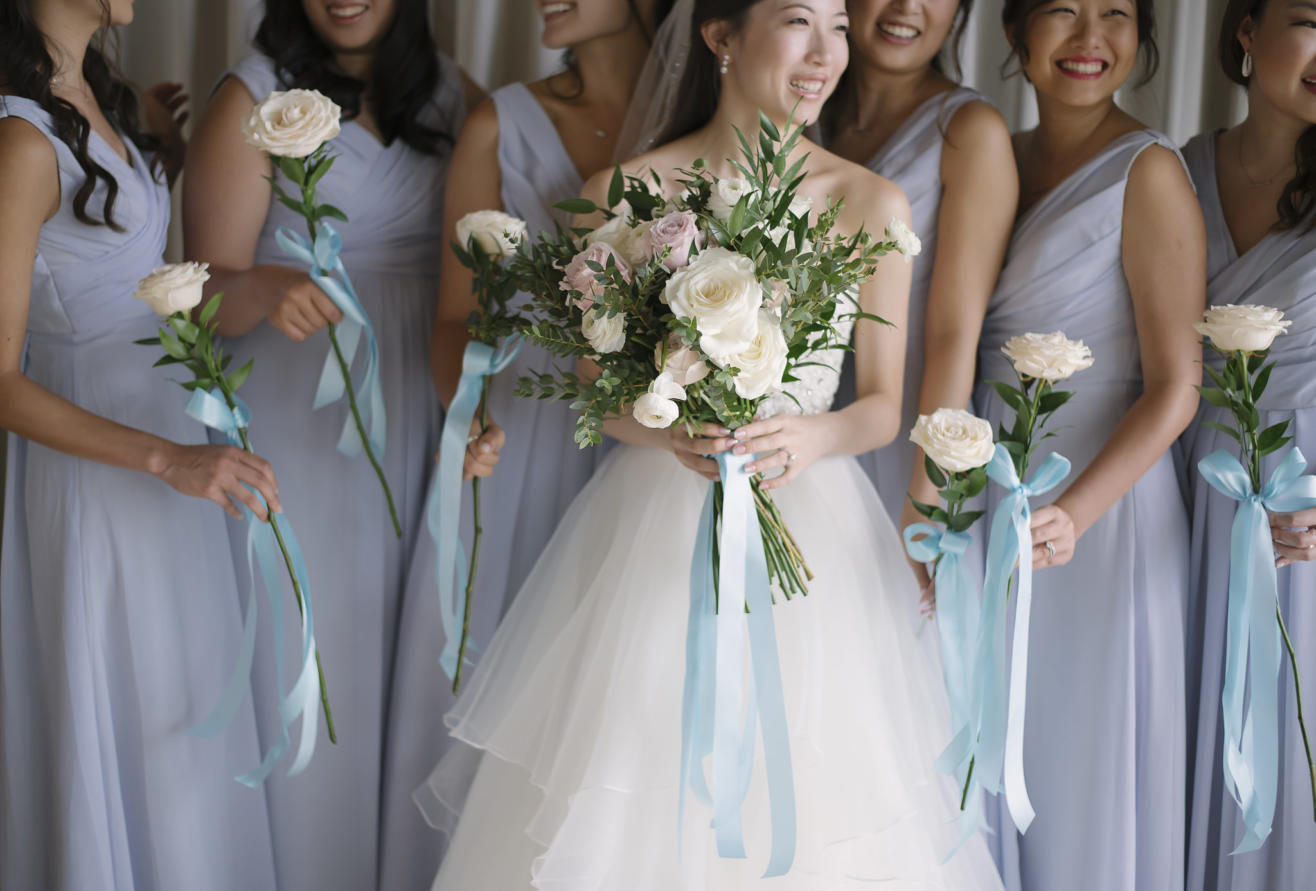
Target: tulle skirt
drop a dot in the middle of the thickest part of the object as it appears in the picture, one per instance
(570, 775)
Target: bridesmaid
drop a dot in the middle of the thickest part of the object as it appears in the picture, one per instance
(899, 114)
(528, 147)
(119, 616)
(1109, 248)
(348, 821)
(1256, 183)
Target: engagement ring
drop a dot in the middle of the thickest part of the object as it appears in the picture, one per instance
(1050, 550)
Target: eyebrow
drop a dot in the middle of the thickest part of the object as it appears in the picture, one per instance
(1302, 4)
(843, 12)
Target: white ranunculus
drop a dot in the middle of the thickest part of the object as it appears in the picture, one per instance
(759, 368)
(1048, 357)
(605, 333)
(293, 123)
(173, 288)
(906, 241)
(655, 411)
(1247, 328)
(497, 233)
(681, 362)
(720, 291)
(726, 194)
(954, 439)
(666, 386)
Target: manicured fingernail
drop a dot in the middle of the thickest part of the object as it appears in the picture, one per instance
(723, 431)
(739, 450)
(485, 447)
(751, 468)
(740, 434)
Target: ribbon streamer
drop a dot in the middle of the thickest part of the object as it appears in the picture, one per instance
(1000, 749)
(303, 700)
(443, 506)
(717, 691)
(1252, 650)
(327, 271)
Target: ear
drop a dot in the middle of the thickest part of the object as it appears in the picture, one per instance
(1246, 30)
(1017, 48)
(716, 34)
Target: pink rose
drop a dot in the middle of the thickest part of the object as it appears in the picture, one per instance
(579, 277)
(678, 232)
(682, 362)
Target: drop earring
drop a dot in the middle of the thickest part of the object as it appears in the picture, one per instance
(1247, 65)
(726, 60)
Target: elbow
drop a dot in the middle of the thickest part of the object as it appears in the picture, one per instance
(1176, 402)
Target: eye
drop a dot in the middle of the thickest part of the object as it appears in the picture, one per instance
(844, 29)
(1119, 12)
(798, 20)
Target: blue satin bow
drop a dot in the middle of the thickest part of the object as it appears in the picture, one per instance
(716, 691)
(303, 700)
(443, 507)
(327, 271)
(1251, 746)
(1000, 749)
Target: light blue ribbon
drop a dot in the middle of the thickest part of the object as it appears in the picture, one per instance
(958, 622)
(443, 506)
(327, 271)
(1252, 654)
(303, 700)
(1000, 749)
(717, 691)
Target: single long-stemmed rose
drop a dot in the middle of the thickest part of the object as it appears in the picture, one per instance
(1242, 336)
(294, 127)
(173, 292)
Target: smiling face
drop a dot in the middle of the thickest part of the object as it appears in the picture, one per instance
(570, 23)
(350, 26)
(1079, 52)
(1282, 43)
(900, 35)
(787, 54)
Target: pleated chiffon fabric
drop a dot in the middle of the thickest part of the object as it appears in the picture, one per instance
(1279, 271)
(119, 609)
(1105, 734)
(348, 821)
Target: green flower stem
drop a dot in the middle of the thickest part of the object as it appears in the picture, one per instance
(1297, 690)
(1249, 435)
(475, 546)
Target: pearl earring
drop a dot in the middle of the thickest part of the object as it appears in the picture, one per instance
(1247, 65)
(726, 60)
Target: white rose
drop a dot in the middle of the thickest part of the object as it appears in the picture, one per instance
(954, 439)
(1048, 357)
(907, 243)
(721, 292)
(1248, 328)
(630, 242)
(681, 362)
(759, 369)
(726, 194)
(656, 411)
(605, 333)
(292, 124)
(173, 288)
(497, 233)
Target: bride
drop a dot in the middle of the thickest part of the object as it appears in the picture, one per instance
(573, 719)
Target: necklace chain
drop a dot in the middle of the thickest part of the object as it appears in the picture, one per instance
(1256, 183)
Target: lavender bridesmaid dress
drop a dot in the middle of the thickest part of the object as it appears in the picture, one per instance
(348, 821)
(1105, 736)
(912, 159)
(119, 612)
(1278, 271)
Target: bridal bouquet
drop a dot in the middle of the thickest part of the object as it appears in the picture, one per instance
(294, 127)
(173, 292)
(1242, 335)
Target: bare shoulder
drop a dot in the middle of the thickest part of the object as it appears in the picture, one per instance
(473, 93)
(29, 170)
(870, 200)
(230, 98)
(1157, 178)
(480, 129)
(975, 126)
(665, 161)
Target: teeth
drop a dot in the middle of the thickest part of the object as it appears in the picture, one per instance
(552, 8)
(807, 86)
(1083, 67)
(347, 12)
(904, 32)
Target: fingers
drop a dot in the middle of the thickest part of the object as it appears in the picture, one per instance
(256, 472)
(779, 458)
(705, 467)
(482, 453)
(927, 600)
(1285, 555)
(1295, 520)
(1296, 539)
(324, 307)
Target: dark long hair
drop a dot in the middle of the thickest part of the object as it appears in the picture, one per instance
(700, 84)
(1015, 13)
(569, 56)
(403, 76)
(1296, 201)
(27, 68)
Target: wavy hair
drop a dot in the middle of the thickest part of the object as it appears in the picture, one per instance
(28, 70)
(403, 76)
(700, 83)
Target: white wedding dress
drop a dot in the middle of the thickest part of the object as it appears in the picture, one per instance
(574, 712)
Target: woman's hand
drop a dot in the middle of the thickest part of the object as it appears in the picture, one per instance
(1294, 537)
(1052, 525)
(303, 308)
(792, 442)
(927, 591)
(222, 474)
(693, 451)
(482, 450)
(163, 114)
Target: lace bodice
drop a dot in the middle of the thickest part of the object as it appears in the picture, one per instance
(816, 385)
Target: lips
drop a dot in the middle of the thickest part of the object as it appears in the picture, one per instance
(346, 13)
(898, 32)
(808, 87)
(549, 10)
(1083, 68)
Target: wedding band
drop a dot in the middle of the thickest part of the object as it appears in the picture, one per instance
(472, 438)
(790, 457)
(1050, 550)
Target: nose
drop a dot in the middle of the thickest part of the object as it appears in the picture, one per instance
(1086, 30)
(821, 52)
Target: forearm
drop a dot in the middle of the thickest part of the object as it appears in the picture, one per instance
(31, 411)
(249, 295)
(870, 422)
(1143, 435)
(447, 346)
(630, 431)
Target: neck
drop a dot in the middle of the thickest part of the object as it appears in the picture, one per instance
(718, 144)
(877, 96)
(356, 65)
(610, 67)
(1267, 139)
(67, 38)
(1064, 129)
